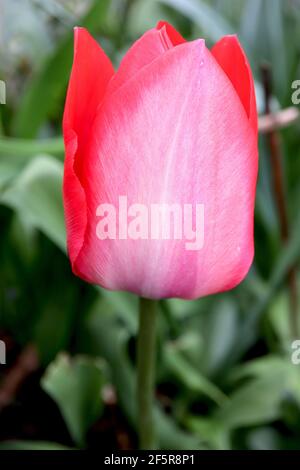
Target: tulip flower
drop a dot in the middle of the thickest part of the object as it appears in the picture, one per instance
(175, 125)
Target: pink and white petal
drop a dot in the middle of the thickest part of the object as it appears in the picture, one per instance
(91, 72)
(146, 49)
(174, 36)
(177, 133)
(231, 57)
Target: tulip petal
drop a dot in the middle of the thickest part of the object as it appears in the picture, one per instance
(230, 55)
(174, 36)
(175, 133)
(90, 74)
(146, 49)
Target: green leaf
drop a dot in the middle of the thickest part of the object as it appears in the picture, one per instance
(123, 304)
(10, 166)
(32, 445)
(254, 403)
(191, 377)
(273, 30)
(288, 257)
(212, 434)
(278, 315)
(258, 400)
(55, 323)
(264, 36)
(25, 147)
(260, 368)
(220, 335)
(44, 92)
(143, 15)
(211, 23)
(37, 194)
(249, 29)
(273, 367)
(75, 385)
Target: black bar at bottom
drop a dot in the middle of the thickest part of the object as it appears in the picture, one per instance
(135, 459)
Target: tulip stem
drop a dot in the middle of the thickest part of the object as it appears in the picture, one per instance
(146, 372)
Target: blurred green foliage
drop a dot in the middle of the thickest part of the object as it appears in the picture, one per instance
(226, 359)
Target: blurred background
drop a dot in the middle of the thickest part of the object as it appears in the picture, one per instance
(225, 375)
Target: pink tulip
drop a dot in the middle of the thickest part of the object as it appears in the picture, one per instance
(176, 124)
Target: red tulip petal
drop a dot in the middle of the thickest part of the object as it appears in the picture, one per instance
(231, 57)
(90, 74)
(176, 133)
(174, 35)
(146, 49)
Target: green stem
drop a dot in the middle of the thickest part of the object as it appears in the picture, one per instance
(145, 372)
